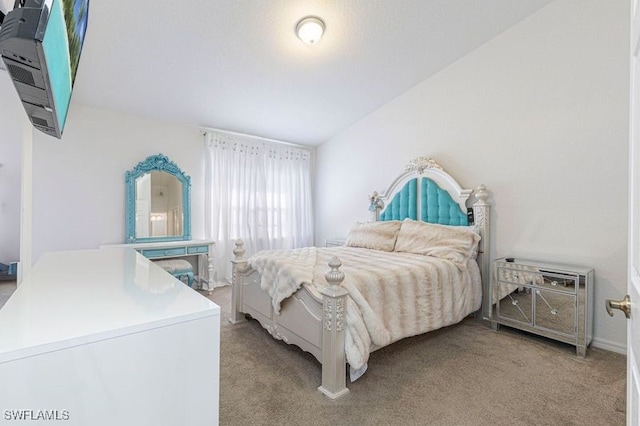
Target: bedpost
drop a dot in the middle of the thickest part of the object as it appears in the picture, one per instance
(333, 323)
(481, 213)
(239, 265)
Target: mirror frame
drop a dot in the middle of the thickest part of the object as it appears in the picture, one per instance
(152, 163)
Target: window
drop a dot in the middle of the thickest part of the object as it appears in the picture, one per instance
(258, 191)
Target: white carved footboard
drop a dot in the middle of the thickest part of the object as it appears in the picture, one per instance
(315, 325)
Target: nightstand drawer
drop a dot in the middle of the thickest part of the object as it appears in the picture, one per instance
(525, 275)
(150, 254)
(557, 282)
(522, 275)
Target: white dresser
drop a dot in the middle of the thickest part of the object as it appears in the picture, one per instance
(106, 337)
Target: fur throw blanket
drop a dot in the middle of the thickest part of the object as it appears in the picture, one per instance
(284, 271)
(391, 295)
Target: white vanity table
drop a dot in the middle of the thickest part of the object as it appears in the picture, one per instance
(114, 342)
(202, 250)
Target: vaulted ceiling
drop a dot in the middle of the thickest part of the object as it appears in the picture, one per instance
(238, 65)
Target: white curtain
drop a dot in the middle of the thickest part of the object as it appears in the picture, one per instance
(258, 191)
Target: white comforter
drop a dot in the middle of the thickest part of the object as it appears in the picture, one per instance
(391, 295)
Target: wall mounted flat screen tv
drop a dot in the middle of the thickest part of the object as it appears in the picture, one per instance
(40, 44)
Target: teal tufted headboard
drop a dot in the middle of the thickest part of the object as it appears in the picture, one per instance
(435, 204)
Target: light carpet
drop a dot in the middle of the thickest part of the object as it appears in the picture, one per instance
(466, 374)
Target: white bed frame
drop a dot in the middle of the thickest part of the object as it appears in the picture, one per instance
(317, 325)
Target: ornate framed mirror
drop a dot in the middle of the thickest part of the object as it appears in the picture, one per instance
(158, 202)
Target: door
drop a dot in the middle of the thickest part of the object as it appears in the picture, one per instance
(633, 325)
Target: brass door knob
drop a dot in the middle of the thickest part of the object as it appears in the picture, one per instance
(624, 305)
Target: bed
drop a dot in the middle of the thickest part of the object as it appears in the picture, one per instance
(417, 265)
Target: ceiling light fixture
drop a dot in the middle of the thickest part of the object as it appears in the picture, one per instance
(309, 29)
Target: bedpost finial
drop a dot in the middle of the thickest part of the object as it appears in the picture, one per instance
(482, 194)
(239, 250)
(335, 275)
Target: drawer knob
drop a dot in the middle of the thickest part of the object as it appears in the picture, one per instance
(554, 283)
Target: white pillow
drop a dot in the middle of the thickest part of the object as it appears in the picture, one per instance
(453, 243)
(374, 235)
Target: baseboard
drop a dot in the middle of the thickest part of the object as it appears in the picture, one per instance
(609, 346)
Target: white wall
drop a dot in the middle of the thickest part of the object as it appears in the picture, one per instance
(12, 119)
(539, 115)
(78, 181)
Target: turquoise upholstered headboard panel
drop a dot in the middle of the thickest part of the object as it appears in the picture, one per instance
(435, 204)
(404, 204)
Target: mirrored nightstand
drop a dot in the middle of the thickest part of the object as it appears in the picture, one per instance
(548, 299)
(335, 241)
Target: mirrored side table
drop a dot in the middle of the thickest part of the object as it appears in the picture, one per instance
(335, 241)
(548, 299)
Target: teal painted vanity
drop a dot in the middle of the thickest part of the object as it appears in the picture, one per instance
(158, 221)
(198, 253)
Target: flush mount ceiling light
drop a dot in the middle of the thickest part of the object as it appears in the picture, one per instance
(310, 29)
